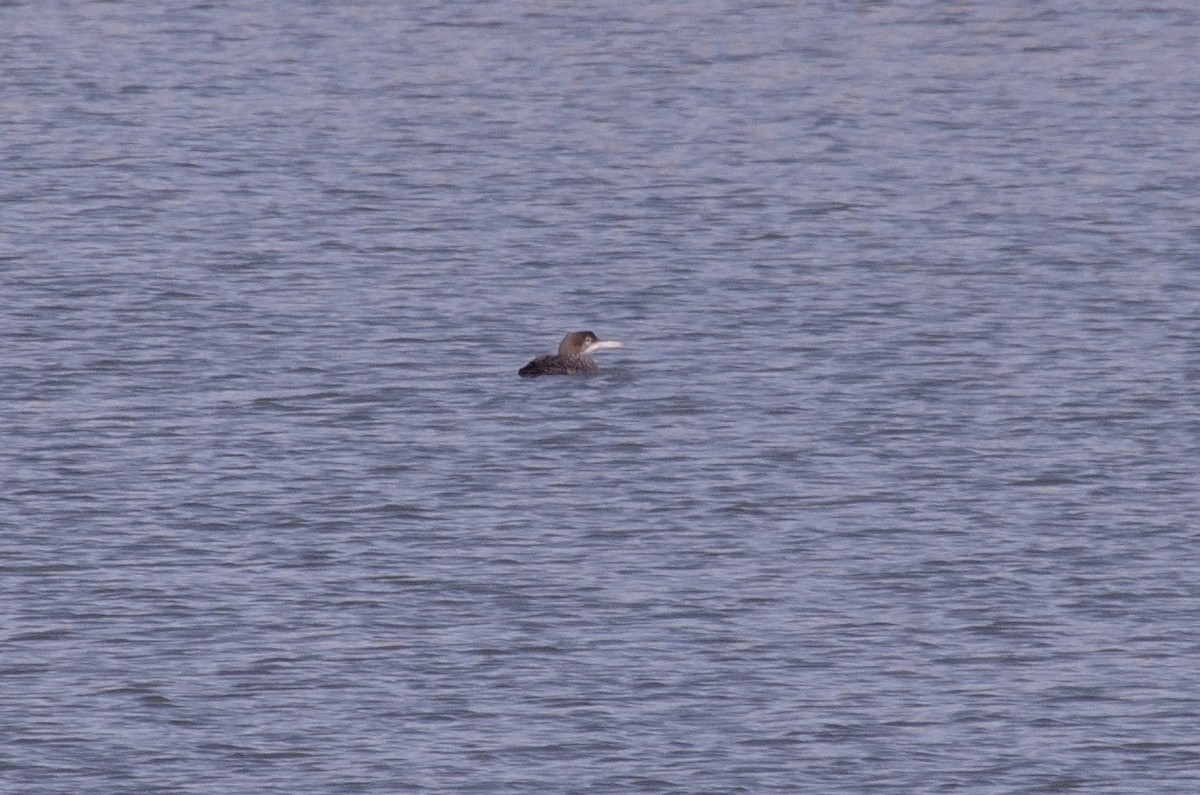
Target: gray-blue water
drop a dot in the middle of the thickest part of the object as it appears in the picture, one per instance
(892, 489)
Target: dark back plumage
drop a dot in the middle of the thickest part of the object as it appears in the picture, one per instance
(555, 364)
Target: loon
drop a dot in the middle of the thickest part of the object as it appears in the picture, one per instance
(572, 358)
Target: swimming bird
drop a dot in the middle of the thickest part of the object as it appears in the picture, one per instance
(573, 357)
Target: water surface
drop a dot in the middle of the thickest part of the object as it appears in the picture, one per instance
(892, 489)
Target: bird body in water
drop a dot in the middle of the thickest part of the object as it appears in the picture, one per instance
(573, 357)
